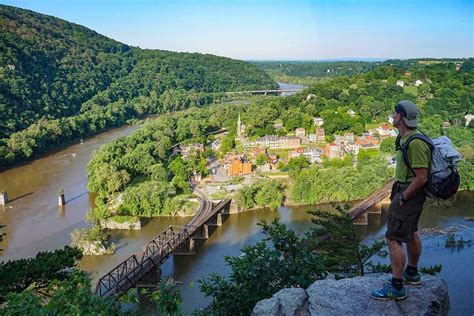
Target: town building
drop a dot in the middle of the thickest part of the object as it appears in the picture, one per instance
(338, 139)
(351, 147)
(268, 167)
(189, 149)
(272, 158)
(278, 126)
(385, 130)
(239, 167)
(313, 154)
(367, 141)
(215, 145)
(289, 142)
(300, 132)
(258, 151)
(195, 177)
(468, 118)
(320, 134)
(312, 138)
(333, 151)
(349, 137)
(311, 96)
(268, 141)
(318, 121)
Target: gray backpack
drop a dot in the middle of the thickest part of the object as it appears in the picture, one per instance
(444, 180)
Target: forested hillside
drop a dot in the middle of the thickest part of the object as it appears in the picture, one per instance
(62, 81)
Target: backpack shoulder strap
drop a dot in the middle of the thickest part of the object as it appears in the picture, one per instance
(404, 147)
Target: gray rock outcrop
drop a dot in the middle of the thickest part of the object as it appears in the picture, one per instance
(352, 297)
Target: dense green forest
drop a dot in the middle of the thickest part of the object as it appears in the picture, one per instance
(62, 81)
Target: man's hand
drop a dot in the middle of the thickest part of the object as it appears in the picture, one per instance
(421, 177)
(401, 199)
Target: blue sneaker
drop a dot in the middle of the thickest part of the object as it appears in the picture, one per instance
(411, 279)
(388, 292)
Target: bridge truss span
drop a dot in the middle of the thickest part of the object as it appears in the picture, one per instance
(126, 275)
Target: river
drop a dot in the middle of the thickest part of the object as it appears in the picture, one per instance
(33, 220)
(35, 223)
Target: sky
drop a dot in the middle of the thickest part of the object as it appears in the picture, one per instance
(278, 30)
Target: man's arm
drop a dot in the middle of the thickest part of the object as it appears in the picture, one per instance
(421, 177)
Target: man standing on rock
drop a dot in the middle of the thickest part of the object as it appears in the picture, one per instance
(407, 201)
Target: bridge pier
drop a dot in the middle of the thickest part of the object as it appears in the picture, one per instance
(385, 204)
(202, 233)
(217, 221)
(362, 219)
(376, 209)
(150, 279)
(186, 249)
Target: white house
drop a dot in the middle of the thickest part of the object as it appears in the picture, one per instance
(311, 96)
(313, 138)
(300, 132)
(318, 121)
(468, 118)
(351, 113)
(313, 154)
(270, 141)
(418, 82)
(216, 145)
(400, 83)
(386, 130)
(338, 139)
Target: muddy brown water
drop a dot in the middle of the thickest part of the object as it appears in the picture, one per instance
(33, 220)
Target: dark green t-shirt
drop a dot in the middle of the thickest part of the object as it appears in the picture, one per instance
(419, 156)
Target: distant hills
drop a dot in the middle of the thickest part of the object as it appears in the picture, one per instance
(51, 69)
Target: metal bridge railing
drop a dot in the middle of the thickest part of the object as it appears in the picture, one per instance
(125, 275)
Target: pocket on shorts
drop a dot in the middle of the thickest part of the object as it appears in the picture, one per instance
(399, 226)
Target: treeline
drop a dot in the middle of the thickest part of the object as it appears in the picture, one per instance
(314, 69)
(67, 81)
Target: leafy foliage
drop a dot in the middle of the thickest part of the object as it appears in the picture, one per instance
(262, 270)
(262, 194)
(315, 185)
(71, 296)
(37, 272)
(285, 259)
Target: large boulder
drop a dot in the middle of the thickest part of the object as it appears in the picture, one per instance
(352, 297)
(292, 301)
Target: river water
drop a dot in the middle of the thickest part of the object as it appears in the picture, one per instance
(35, 223)
(33, 220)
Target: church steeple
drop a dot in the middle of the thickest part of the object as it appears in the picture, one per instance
(240, 128)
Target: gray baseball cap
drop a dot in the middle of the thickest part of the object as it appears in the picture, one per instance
(409, 112)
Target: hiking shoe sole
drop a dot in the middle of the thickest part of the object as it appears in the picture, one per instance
(401, 298)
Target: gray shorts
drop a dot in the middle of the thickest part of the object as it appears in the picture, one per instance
(402, 221)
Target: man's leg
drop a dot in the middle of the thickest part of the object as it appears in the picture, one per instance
(394, 289)
(414, 250)
(397, 257)
(411, 275)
